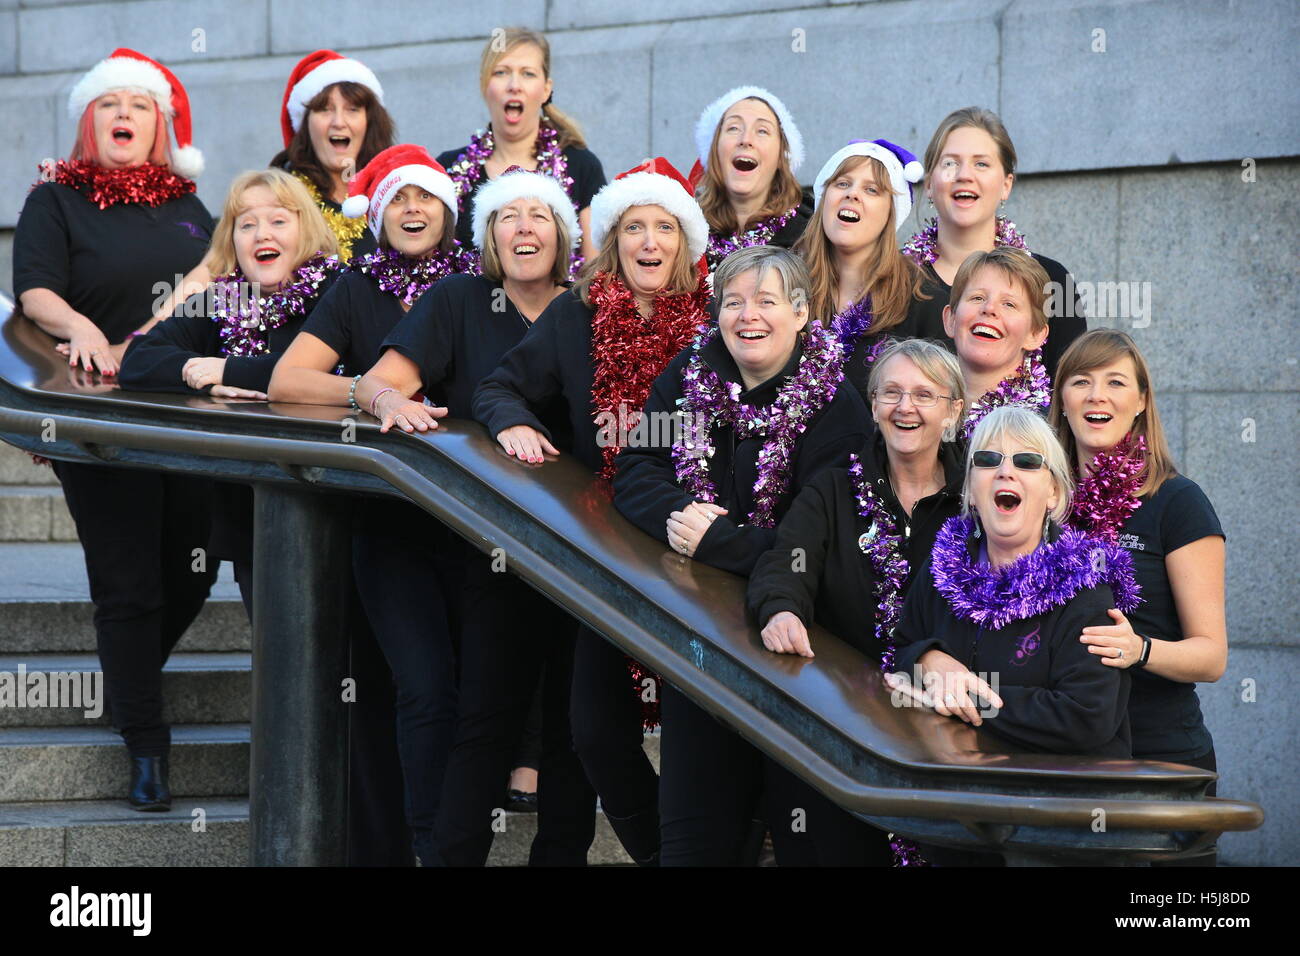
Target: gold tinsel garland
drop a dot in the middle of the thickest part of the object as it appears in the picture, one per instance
(346, 230)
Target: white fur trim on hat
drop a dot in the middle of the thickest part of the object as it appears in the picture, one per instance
(427, 178)
(343, 70)
(649, 189)
(523, 184)
(712, 115)
(900, 176)
(120, 73)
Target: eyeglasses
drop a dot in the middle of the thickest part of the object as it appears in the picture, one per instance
(1024, 460)
(921, 399)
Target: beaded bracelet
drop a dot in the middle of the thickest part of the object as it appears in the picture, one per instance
(352, 394)
(376, 398)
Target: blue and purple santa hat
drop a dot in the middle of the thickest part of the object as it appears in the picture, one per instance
(903, 168)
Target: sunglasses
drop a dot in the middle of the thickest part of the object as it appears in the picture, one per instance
(1024, 460)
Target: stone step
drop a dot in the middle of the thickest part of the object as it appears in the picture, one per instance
(211, 688)
(90, 763)
(17, 468)
(34, 513)
(45, 605)
(110, 833)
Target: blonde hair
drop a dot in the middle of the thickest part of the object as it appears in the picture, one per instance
(1022, 426)
(683, 277)
(491, 257)
(1018, 266)
(508, 39)
(974, 117)
(782, 195)
(1099, 349)
(314, 233)
(893, 278)
(934, 362)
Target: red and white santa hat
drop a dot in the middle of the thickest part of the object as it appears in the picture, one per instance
(405, 164)
(516, 183)
(713, 113)
(128, 70)
(313, 74)
(656, 182)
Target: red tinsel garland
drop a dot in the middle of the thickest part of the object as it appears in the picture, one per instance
(147, 184)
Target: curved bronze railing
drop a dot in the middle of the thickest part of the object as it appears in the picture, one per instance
(829, 719)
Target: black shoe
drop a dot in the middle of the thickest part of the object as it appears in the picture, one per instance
(520, 801)
(149, 790)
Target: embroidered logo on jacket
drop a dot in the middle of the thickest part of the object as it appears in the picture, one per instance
(1026, 647)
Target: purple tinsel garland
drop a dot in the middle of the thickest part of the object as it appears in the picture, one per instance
(243, 330)
(923, 248)
(469, 167)
(1031, 585)
(408, 278)
(760, 235)
(1031, 387)
(707, 401)
(1107, 495)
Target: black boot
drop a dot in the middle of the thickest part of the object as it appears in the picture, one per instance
(149, 789)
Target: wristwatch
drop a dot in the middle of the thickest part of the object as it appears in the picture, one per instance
(1146, 652)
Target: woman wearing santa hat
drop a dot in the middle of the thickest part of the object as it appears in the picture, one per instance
(526, 129)
(334, 123)
(970, 166)
(749, 151)
(600, 347)
(524, 226)
(92, 240)
(862, 286)
(410, 207)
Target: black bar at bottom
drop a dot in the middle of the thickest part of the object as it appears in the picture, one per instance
(298, 776)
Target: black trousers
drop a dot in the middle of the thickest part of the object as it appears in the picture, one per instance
(609, 736)
(511, 637)
(713, 786)
(139, 531)
(400, 578)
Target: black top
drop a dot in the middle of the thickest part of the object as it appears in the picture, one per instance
(353, 318)
(457, 333)
(921, 322)
(1062, 329)
(1166, 715)
(584, 169)
(835, 584)
(553, 360)
(108, 264)
(153, 363)
(645, 485)
(787, 235)
(1057, 697)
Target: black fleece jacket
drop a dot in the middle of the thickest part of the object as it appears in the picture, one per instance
(817, 571)
(645, 484)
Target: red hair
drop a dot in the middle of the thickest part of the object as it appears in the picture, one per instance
(87, 149)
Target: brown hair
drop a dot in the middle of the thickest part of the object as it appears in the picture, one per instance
(314, 233)
(1017, 265)
(491, 258)
(1098, 349)
(299, 155)
(502, 43)
(894, 279)
(86, 147)
(683, 278)
(974, 117)
(782, 195)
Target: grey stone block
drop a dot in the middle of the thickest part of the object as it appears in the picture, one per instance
(305, 25)
(1072, 219)
(1252, 486)
(819, 85)
(8, 43)
(22, 846)
(25, 513)
(67, 627)
(30, 118)
(17, 468)
(58, 39)
(1255, 748)
(1212, 248)
(222, 843)
(1179, 82)
(581, 14)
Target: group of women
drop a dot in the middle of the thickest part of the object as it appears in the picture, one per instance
(972, 486)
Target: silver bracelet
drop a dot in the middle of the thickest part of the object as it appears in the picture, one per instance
(352, 394)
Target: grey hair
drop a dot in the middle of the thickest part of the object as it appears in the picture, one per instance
(936, 363)
(1023, 426)
(795, 281)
